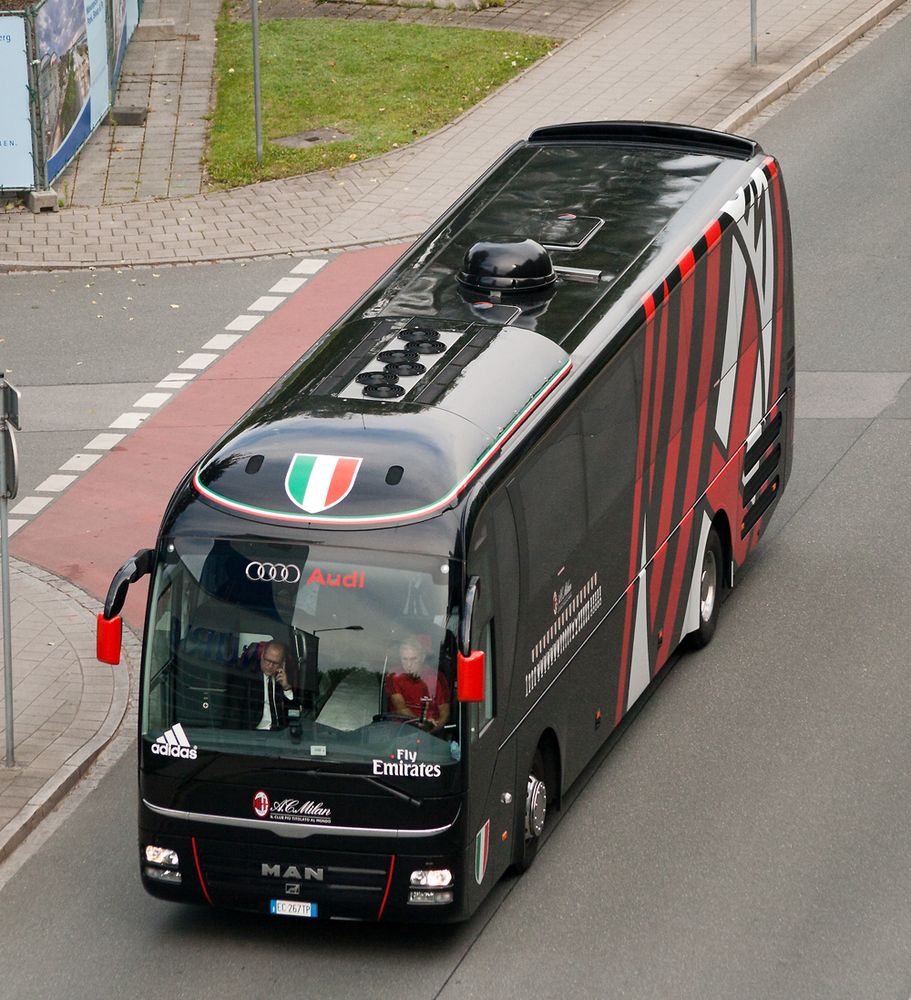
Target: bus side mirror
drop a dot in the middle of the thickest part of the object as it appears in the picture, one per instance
(471, 595)
(132, 570)
(109, 630)
(108, 638)
(470, 676)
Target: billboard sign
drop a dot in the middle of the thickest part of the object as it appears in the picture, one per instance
(96, 29)
(123, 19)
(16, 164)
(73, 80)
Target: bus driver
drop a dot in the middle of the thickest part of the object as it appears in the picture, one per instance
(418, 690)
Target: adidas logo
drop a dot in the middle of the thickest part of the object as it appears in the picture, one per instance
(174, 743)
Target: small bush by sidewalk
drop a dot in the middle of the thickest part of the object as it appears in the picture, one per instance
(383, 84)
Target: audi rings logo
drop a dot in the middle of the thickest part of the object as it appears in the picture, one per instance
(273, 572)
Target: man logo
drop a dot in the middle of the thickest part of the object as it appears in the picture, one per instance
(292, 871)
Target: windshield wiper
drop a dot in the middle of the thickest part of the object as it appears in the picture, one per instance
(397, 792)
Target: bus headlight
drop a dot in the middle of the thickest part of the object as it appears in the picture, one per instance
(162, 856)
(430, 887)
(432, 878)
(163, 864)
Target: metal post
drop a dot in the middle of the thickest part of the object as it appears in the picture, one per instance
(754, 33)
(4, 575)
(38, 140)
(257, 106)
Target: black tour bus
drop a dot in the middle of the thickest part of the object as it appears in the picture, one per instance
(467, 529)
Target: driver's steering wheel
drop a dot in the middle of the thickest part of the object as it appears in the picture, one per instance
(407, 720)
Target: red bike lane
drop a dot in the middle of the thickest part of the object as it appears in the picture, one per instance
(115, 508)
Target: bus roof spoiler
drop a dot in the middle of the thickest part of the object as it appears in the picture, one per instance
(689, 137)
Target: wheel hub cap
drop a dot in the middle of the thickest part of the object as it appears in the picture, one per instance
(707, 589)
(535, 807)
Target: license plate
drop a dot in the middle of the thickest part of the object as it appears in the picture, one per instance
(292, 908)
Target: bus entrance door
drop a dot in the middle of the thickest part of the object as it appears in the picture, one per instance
(493, 557)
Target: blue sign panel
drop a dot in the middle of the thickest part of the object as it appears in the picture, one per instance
(16, 164)
(65, 51)
(97, 34)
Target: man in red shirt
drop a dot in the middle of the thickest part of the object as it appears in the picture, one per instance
(418, 688)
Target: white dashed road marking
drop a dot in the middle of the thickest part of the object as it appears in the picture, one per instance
(221, 342)
(130, 420)
(286, 286)
(104, 442)
(243, 323)
(176, 380)
(199, 361)
(54, 484)
(266, 303)
(31, 505)
(152, 400)
(79, 463)
(309, 266)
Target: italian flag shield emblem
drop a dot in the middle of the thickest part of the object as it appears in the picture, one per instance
(481, 852)
(317, 482)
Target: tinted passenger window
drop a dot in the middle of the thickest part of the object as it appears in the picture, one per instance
(610, 423)
(552, 486)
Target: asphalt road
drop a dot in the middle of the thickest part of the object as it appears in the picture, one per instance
(748, 836)
(83, 346)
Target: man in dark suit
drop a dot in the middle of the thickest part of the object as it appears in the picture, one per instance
(261, 691)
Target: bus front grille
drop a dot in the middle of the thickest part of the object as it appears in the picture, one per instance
(248, 875)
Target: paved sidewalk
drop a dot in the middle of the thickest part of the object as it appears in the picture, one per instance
(173, 79)
(679, 60)
(554, 18)
(67, 705)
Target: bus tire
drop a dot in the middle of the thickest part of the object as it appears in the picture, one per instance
(534, 814)
(710, 590)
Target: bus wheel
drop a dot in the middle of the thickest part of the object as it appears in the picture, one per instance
(711, 581)
(534, 814)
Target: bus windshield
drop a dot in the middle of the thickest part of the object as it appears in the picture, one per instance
(276, 650)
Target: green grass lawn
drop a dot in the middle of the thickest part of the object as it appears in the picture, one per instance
(383, 84)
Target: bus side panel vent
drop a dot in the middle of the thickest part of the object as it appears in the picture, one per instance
(767, 468)
(762, 504)
(771, 433)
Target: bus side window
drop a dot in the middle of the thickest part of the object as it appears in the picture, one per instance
(610, 423)
(163, 642)
(482, 562)
(552, 489)
(483, 712)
